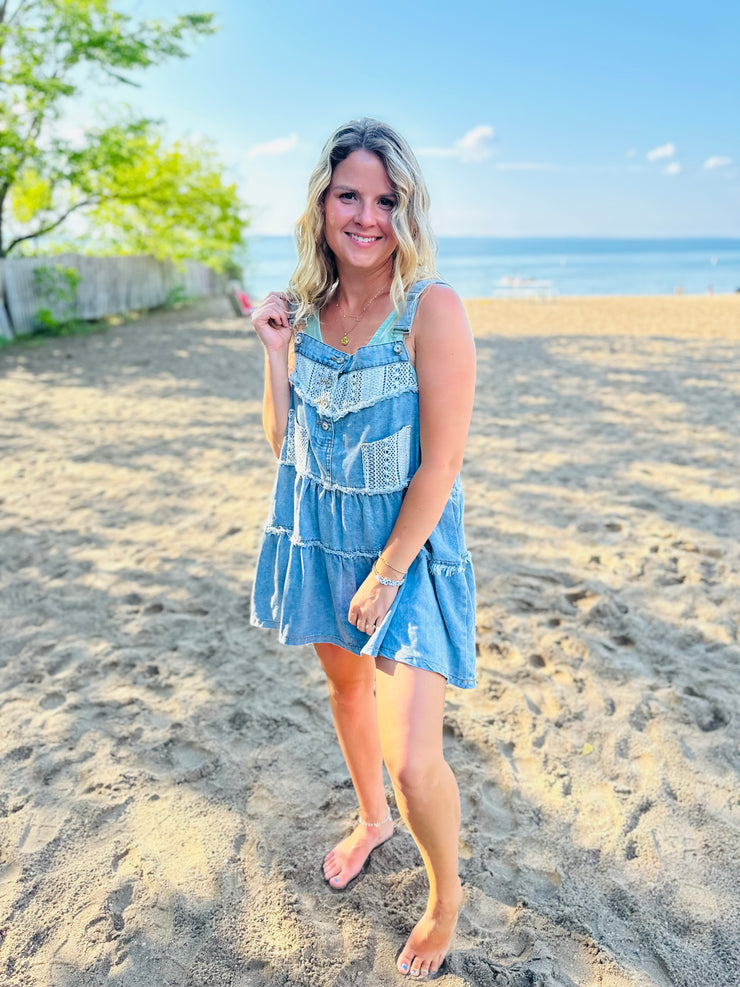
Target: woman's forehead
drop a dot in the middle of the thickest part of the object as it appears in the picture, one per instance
(361, 168)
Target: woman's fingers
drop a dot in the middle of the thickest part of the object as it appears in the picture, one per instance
(272, 312)
(365, 623)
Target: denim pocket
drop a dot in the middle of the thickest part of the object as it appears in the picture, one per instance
(386, 462)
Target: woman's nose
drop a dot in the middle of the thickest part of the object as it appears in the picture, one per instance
(365, 214)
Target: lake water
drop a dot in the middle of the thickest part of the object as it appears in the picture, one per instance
(482, 267)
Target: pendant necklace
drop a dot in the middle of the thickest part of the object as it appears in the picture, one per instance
(345, 337)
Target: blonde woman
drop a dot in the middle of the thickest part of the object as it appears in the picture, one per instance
(363, 554)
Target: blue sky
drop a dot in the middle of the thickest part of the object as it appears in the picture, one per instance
(529, 118)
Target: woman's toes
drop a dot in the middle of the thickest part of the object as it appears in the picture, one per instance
(331, 871)
(404, 962)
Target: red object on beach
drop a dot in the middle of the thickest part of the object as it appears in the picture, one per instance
(240, 300)
(245, 302)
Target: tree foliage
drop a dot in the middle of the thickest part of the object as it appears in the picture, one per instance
(132, 189)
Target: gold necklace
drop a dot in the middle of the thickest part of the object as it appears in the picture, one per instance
(345, 337)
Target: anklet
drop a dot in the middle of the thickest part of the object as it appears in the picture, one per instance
(378, 824)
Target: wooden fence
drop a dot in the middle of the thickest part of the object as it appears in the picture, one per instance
(108, 286)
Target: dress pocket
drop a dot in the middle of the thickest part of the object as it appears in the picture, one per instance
(385, 462)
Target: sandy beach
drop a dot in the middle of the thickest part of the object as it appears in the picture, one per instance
(169, 775)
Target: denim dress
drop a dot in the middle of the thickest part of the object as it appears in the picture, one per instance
(350, 450)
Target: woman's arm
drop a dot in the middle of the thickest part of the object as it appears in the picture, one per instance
(272, 325)
(445, 368)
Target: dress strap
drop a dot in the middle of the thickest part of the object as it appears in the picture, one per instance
(413, 295)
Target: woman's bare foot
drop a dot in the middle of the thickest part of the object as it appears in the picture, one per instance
(348, 858)
(430, 939)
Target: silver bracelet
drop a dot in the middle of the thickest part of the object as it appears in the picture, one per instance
(384, 581)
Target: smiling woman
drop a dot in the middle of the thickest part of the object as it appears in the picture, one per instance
(364, 553)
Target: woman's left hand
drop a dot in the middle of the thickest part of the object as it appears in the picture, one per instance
(370, 604)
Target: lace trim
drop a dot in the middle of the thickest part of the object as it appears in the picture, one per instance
(338, 395)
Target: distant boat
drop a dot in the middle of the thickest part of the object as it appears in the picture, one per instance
(519, 287)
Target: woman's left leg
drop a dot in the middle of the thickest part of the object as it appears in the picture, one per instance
(410, 704)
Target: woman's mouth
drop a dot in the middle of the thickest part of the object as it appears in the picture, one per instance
(357, 238)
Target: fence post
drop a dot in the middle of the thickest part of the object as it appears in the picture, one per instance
(6, 329)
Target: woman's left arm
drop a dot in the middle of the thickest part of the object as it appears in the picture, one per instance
(445, 368)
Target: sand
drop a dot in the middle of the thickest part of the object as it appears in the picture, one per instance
(169, 778)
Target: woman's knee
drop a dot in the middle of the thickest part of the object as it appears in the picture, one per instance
(349, 678)
(414, 772)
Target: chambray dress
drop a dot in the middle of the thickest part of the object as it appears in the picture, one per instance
(351, 448)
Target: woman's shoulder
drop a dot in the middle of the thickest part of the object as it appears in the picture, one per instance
(440, 305)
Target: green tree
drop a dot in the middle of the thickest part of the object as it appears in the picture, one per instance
(143, 196)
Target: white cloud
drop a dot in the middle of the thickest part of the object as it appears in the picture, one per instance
(674, 168)
(664, 151)
(717, 162)
(475, 145)
(281, 145)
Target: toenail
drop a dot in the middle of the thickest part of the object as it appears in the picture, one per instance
(404, 966)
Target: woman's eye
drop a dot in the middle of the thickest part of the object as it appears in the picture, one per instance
(347, 196)
(387, 203)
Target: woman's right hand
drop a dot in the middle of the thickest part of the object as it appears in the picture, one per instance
(270, 320)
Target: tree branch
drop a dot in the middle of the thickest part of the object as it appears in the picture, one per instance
(51, 226)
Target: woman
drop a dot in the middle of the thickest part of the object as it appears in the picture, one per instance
(364, 554)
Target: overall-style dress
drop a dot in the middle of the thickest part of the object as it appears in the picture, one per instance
(351, 448)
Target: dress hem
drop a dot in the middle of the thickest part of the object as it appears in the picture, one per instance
(453, 680)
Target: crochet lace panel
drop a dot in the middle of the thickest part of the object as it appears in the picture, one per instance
(288, 454)
(337, 394)
(385, 463)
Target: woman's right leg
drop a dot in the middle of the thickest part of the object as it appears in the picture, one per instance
(352, 693)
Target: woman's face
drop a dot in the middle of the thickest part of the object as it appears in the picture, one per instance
(357, 213)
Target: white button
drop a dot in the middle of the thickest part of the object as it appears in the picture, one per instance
(298, 338)
(398, 347)
(325, 426)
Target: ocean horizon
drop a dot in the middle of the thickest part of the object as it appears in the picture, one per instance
(499, 267)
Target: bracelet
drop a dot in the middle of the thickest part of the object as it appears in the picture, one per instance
(384, 581)
(401, 572)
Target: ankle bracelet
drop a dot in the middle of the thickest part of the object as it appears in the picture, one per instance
(376, 825)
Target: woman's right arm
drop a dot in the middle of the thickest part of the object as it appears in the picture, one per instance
(272, 325)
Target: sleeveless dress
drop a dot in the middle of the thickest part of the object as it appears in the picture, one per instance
(351, 448)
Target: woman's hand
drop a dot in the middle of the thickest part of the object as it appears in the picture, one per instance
(271, 323)
(370, 604)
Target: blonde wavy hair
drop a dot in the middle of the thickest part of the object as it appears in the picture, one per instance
(315, 276)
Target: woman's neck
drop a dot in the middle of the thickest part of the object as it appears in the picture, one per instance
(356, 287)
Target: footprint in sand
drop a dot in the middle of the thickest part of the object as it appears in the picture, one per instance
(707, 715)
(52, 700)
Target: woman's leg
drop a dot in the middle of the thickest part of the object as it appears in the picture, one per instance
(410, 704)
(351, 690)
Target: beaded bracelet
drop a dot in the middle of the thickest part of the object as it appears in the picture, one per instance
(384, 581)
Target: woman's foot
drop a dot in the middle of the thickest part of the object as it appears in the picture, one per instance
(347, 859)
(430, 939)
